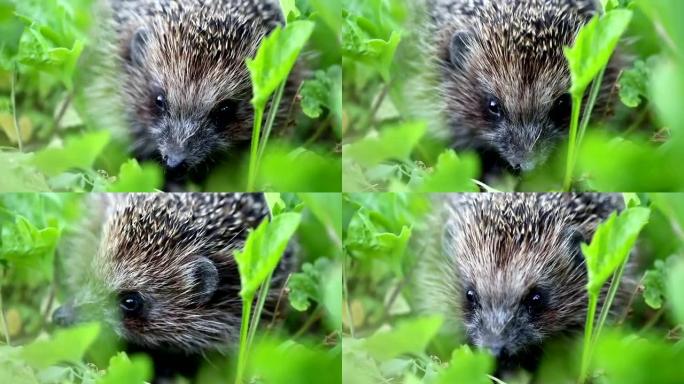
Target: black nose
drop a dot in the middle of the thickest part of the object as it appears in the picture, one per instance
(64, 316)
(174, 160)
(516, 169)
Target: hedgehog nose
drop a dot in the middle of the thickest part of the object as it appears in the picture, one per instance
(64, 316)
(496, 348)
(174, 160)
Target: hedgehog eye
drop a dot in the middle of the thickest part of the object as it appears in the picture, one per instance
(493, 108)
(471, 298)
(131, 304)
(535, 301)
(224, 113)
(561, 110)
(160, 102)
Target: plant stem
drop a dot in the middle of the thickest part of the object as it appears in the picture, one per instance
(345, 294)
(242, 356)
(253, 163)
(273, 111)
(572, 143)
(605, 309)
(256, 317)
(5, 330)
(589, 108)
(588, 329)
(14, 110)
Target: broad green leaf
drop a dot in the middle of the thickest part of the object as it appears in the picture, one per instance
(407, 337)
(611, 245)
(275, 58)
(634, 83)
(263, 249)
(136, 178)
(594, 47)
(467, 366)
(122, 369)
(327, 208)
(453, 174)
(391, 143)
(675, 290)
(318, 93)
(654, 285)
(305, 286)
(68, 345)
(289, 6)
(28, 249)
(78, 152)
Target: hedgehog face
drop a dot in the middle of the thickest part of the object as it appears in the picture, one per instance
(505, 79)
(182, 309)
(520, 284)
(189, 88)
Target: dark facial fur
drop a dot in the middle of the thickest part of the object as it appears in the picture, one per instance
(163, 274)
(504, 78)
(185, 83)
(512, 271)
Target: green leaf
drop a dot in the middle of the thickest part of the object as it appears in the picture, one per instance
(391, 143)
(289, 6)
(305, 286)
(67, 345)
(263, 249)
(124, 370)
(327, 207)
(654, 285)
(675, 291)
(78, 152)
(275, 58)
(29, 250)
(134, 178)
(367, 239)
(319, 93)
(634, 84)
(467, 366)
(407, 337)
(594, 47)
(611, 245)
(453, 174)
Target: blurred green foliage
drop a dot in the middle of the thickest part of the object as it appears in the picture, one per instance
(388, 339)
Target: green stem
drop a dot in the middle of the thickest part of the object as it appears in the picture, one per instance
(14, 110)
(242, 356)
(273, 111)
(605, 309)
(253, 163)
(5, 330)
(589, 109)
(256, 317)
(588, 330)
(345, 293)
(572, 142)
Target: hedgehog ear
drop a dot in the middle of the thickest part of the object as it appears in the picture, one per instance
(206, 279)
(458, 47)
(138, 46)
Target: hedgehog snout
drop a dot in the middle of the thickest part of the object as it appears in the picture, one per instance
(65, 315)
(520, 146)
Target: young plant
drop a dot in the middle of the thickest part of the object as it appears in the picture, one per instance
(587, 61)
(256, 262)
(606, 256)
(269, 70)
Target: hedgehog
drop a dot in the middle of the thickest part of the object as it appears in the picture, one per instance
(503, 79)
(183, 78)
(161, 272)
(508, 270)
